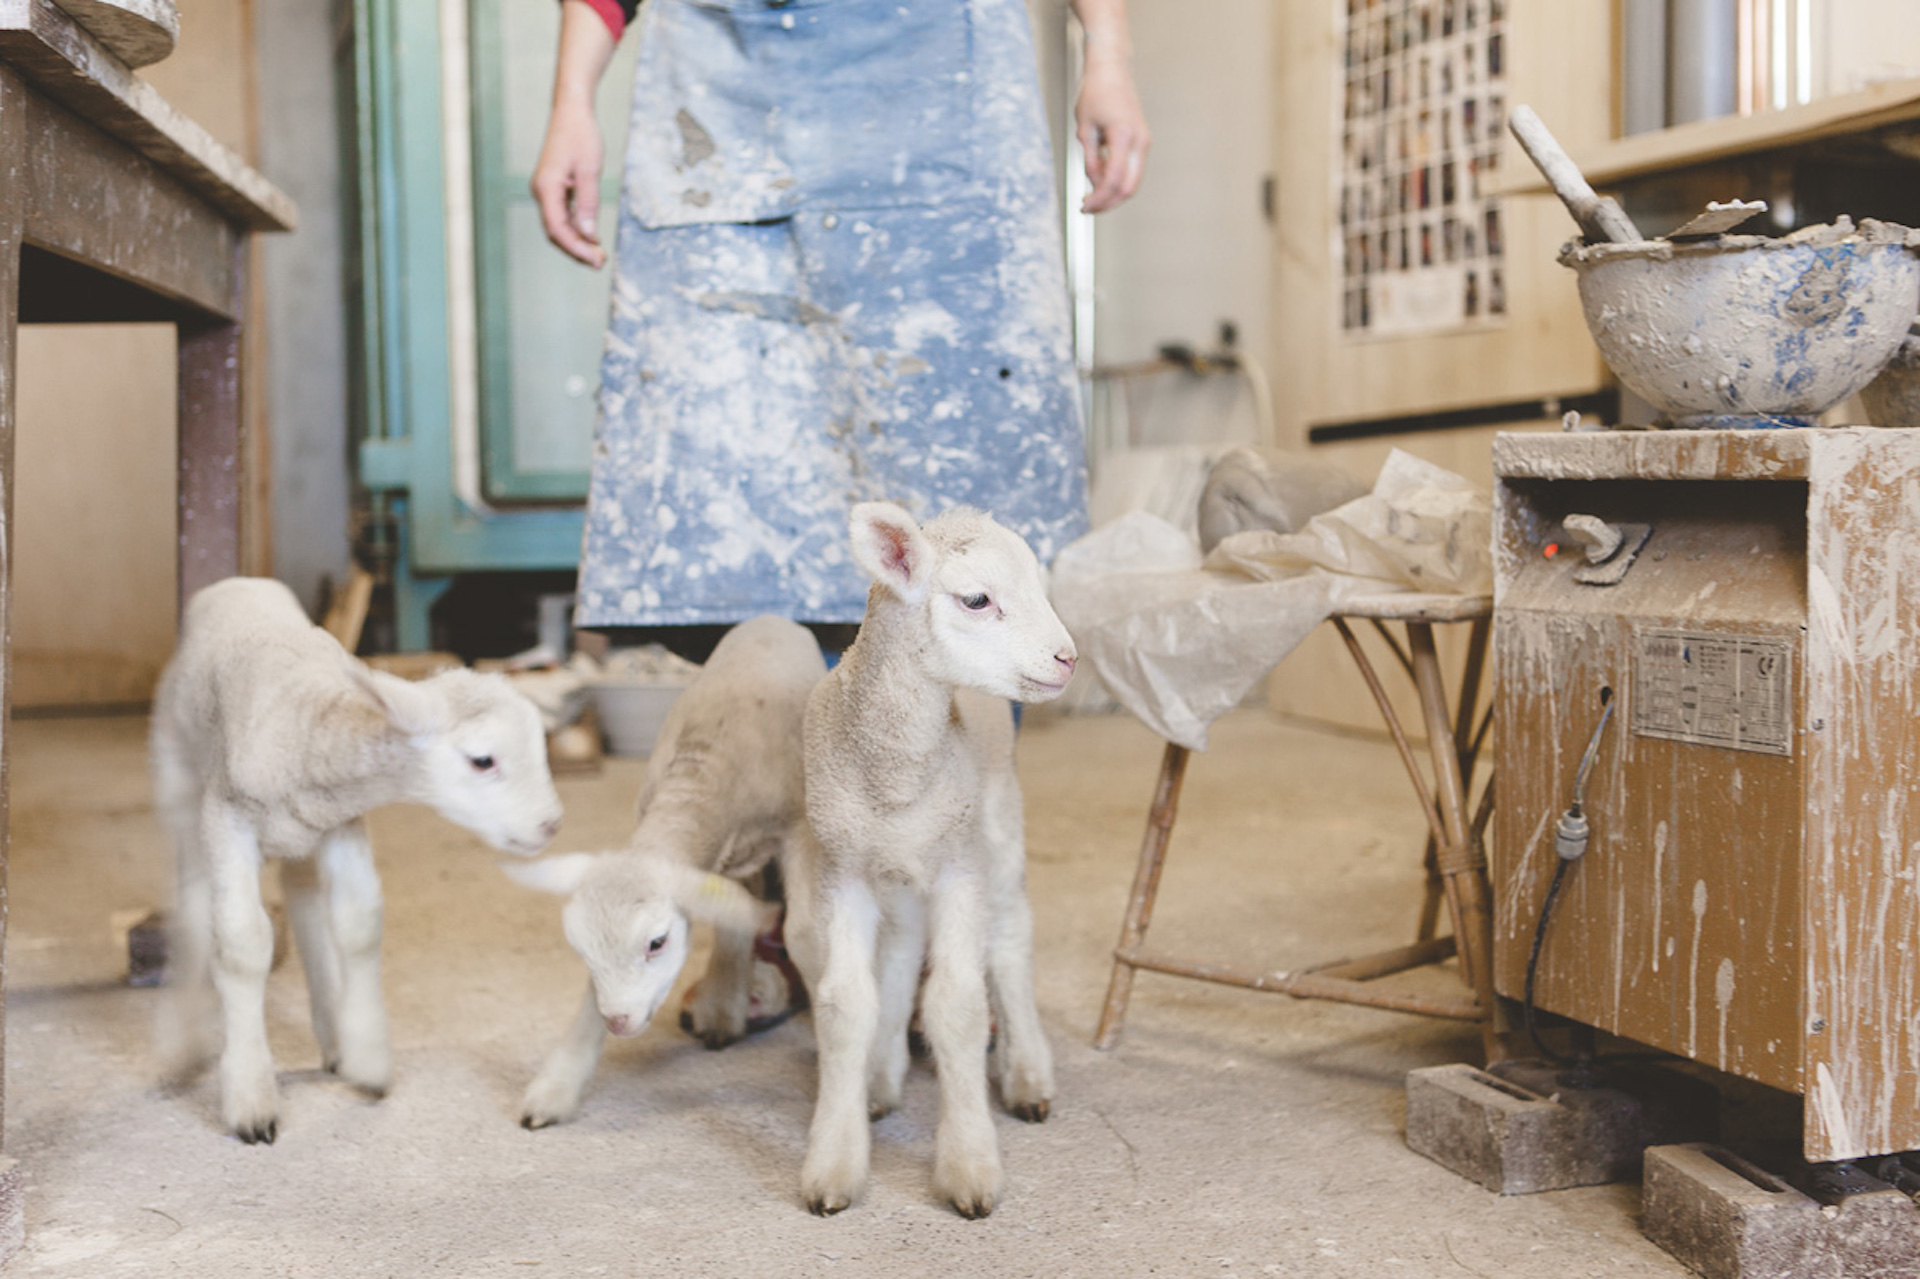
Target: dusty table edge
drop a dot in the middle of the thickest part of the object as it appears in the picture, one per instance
(1782, 454)
(54, 53)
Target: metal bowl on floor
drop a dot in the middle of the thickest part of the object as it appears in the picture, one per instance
(1750, 331)
(631, 712)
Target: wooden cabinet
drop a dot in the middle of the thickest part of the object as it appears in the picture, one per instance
(1750, 897)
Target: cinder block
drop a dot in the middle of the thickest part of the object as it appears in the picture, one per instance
(1728, 1219)
(1507, 1138)
(1520, 1132)
(1872, 1230)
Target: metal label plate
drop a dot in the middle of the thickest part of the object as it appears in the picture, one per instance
(1734, 691)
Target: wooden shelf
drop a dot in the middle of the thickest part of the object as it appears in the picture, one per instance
(1728, 137)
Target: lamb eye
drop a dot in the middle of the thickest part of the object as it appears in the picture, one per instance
(974, 603)
(657, 945)
(481, 763)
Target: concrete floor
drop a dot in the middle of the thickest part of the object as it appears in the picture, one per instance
(1230, 1134)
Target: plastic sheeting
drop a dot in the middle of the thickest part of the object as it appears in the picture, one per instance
(1179, 639)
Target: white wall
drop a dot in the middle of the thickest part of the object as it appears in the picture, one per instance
(1192, 248)
(303, 310)
(1858, 43)
(93, 517)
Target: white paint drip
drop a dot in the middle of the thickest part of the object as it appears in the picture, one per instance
(1828, 1104)
(1723, 998)
(1693, 970)
(1659, 880)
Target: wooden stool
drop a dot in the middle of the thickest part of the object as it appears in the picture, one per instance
(1455, 858)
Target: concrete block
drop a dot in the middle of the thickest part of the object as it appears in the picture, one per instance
(1521, 1131)
(1728, 1219)
(1871, 1228)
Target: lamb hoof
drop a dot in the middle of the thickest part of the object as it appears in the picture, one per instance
(373, 1079)
(259, 1133)
(1033, 1112)
(829, 1186)
(878, 1110)
(547, 1103)
(973, 1207)
(972, 1191)
(826, 1206)
(715, 1037)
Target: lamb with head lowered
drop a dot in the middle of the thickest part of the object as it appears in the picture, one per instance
(919, 854)
(721, 801)
(269, 740)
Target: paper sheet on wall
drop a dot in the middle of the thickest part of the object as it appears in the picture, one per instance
(1179, 640)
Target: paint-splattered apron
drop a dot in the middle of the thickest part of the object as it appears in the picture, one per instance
(838, 278)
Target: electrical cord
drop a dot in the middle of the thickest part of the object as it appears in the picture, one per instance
(1533, 965)
(1570, 839)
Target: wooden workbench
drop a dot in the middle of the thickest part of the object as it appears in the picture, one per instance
(115, 207)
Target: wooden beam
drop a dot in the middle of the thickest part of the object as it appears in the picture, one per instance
(87, 199)
(1896, 102)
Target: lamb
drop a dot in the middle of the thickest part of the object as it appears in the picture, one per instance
(721, 800)
(270, 741)
(919, 852)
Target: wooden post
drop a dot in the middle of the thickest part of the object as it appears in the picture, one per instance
(1461, 864)
(212, 459)
(1146, 884)
(12, 224)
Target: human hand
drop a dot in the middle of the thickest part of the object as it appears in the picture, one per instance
(1112, 130)
(566, 181)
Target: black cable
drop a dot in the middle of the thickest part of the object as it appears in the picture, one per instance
(1570, 844)
(1533, 966)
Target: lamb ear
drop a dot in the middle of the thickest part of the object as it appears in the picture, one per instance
(891, 548)
(559, 875)
(413, 709)
(717, 900)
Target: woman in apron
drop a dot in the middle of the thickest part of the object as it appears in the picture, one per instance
(837, 278)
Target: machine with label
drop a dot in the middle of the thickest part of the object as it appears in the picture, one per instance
(1726, 626)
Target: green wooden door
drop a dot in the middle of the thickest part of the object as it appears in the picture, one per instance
(541, 315)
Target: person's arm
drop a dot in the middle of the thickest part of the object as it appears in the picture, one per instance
(1108, 119)
(566, 181)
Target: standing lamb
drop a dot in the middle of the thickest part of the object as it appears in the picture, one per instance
(920, 853)
(270, 740)
(722, 798)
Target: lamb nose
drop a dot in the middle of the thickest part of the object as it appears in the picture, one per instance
(1066, 657)
(550, 827)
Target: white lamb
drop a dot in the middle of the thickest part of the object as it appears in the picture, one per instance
(920, 853)
(722, 799)
(270, 740)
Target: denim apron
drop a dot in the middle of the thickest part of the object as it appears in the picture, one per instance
(837, 278)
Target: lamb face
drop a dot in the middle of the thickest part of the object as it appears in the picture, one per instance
(486, 766)
(634, 948)
(627, 918)
(983, 595)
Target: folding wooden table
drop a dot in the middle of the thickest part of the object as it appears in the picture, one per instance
(1455, 860)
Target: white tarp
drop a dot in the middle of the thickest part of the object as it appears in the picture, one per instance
(1179, 640)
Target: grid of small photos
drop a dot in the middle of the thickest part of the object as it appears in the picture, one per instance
(1421, 248)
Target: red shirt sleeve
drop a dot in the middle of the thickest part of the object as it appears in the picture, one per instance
(615, 13)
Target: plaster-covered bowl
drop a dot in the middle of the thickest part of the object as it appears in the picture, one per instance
(1893, 398)
(1748, 330)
